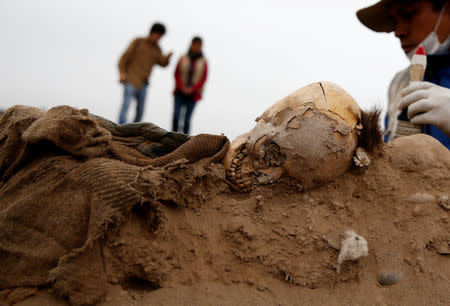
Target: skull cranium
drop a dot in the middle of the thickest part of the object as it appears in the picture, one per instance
(310, 135)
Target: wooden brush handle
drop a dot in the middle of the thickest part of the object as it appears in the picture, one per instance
(404, 126)
(416, 72)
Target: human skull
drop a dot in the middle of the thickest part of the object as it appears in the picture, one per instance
(310, 135)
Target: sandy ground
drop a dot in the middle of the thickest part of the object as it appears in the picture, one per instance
(279, 244)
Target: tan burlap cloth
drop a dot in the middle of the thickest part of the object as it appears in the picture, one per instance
(66, 178)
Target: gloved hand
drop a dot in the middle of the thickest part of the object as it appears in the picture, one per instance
(427, 103)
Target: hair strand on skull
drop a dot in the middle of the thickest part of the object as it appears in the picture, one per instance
(370, 136)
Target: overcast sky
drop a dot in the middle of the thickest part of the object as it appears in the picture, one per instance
(56, 52)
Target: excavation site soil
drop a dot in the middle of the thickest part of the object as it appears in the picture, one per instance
(86, 218)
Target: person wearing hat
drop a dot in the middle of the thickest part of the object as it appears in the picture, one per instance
(414, 23)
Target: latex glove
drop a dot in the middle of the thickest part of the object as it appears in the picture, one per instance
(427, 103)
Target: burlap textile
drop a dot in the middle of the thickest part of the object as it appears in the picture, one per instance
(133, 140)
(65, 181)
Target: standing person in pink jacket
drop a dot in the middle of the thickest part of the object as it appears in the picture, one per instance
(190, 77)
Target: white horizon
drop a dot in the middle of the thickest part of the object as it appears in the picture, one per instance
(59, 52)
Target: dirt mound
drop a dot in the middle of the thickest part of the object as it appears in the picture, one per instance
(188, 238)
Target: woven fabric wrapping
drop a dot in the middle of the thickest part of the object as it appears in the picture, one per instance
(66, 178)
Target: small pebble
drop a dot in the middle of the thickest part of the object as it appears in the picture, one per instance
(261, 287)
(388, 278)
(442, 246)
(444, 201)
(421, 198)
(417, 211)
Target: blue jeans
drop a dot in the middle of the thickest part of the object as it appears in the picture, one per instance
(186, 103)
(131, 92)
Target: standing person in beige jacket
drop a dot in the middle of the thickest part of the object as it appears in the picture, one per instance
(135, 66)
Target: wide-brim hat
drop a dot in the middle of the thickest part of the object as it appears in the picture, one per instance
(376, 17)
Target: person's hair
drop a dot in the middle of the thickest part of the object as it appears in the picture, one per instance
(158, 28)
(196, 39)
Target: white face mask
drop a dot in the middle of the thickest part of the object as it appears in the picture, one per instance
(431, 42)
